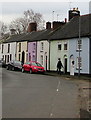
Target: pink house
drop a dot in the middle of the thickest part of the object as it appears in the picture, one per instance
(32, 51)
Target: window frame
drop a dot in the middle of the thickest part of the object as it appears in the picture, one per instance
(66, 46)
(59, 48)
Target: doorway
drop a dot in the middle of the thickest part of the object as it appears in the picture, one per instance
(23, 57)
(65, 65)
(46, 63)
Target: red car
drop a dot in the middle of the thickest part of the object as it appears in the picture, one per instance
(33, 66)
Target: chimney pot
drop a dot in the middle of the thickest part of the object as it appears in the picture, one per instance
(32, 27)
(48, 25)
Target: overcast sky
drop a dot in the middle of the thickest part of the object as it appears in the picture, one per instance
(11, 10)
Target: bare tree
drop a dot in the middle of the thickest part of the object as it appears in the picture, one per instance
(3, 28)
(21, 24)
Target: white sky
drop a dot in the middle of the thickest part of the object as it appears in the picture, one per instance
(10, 10)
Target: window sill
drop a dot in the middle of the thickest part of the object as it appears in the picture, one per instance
(78, 50)
(41, 51)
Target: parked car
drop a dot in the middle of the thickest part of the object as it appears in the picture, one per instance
(14, 65)
(2, 63)
(33, 67)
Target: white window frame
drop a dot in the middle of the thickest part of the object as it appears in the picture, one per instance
(67, 45)
(61, 46)
(42, 46)
(41, 59)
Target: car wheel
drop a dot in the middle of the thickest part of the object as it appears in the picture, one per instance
(12, 68)
(22, 70)
(7, 67)
(31, 71)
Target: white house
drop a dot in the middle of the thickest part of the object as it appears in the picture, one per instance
(8, 51)
(79, 45)
(9, 48)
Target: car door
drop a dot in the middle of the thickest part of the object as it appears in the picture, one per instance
(28, 66)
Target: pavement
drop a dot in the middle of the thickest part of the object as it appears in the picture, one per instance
(81, 77)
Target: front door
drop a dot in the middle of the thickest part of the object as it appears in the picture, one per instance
(46, 63)
(23, 57)
(65, 65)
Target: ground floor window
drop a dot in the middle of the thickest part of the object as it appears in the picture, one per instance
(29, 56)
(10, 57)
(42, 59)
(33, 57)
(19, 57)
(7, 58)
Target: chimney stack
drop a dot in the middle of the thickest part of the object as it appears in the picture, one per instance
(12, 31)
(32, 27)
(65, 20)
(57, 24)
(48, 25)
(73, 13)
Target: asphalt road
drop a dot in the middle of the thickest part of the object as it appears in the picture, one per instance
(27, 95)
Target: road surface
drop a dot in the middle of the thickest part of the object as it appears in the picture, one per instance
(27, 95)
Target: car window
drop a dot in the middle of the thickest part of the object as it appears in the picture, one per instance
(28, 63)
(36, 64)
(17, 62)
(33, 63)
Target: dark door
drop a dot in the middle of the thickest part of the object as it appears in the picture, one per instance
(46, 63)
(65, 65)
(23, 57)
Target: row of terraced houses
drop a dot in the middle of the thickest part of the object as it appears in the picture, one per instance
(46, 46)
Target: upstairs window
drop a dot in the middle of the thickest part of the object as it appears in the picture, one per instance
(42, 46)
(19, 47)
(2, 48)
(65, 46)
(34, 46)
(59, 47)
(8, 48)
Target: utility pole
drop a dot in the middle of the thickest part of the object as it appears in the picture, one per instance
(57, 16)
(79, 44)
(53, 16)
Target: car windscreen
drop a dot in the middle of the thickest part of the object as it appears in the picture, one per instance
(17, 63)
(36, 64)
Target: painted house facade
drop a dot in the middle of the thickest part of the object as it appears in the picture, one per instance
(22, 51)
(70, 35)
(43, 53)
(85, 51)
(9, 48)
(8, 51)
(59, 49)
(32, 51)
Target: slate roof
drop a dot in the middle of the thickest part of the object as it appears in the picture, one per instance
(36, 35)
(30, 36)
(14, 38)
(71, 29)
